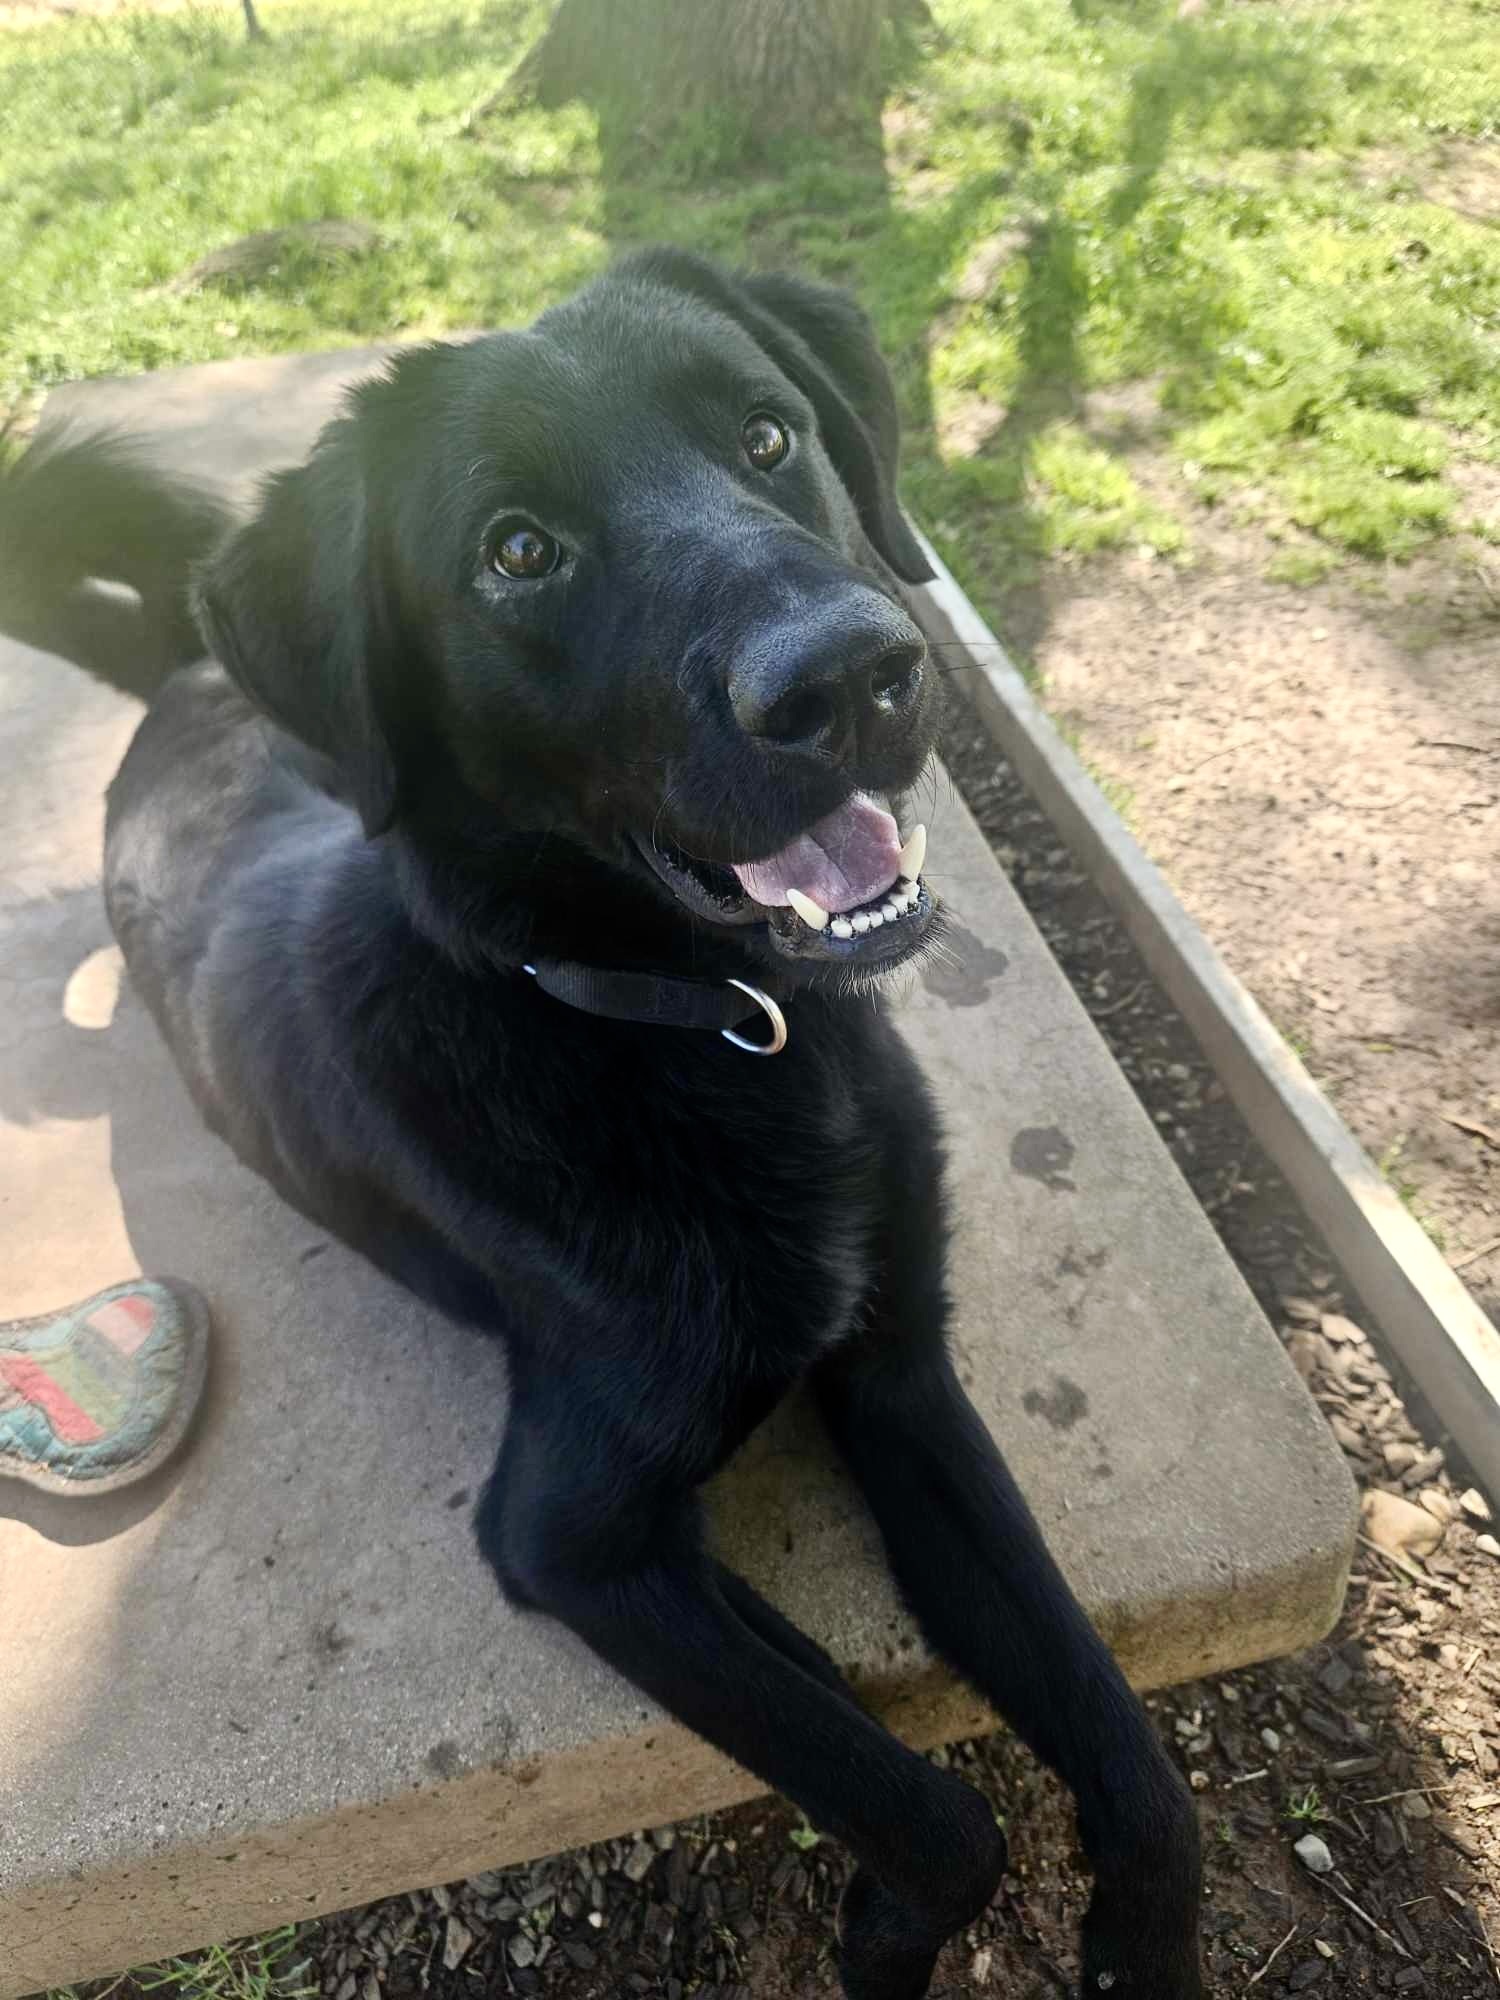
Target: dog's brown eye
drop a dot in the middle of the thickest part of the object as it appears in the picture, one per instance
(523, 550)
(766, 443)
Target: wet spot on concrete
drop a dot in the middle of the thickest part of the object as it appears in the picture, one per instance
(967, 967)
(330, 1640)
(1062, 1405)
(1080, 1263)
(1044, 1153)
(444, 1759)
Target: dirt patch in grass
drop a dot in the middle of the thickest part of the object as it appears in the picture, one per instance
(1318, 772)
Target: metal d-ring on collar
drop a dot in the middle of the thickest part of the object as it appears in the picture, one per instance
(772, 1013)
(658, 1000)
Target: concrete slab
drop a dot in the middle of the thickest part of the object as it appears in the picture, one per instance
(278, 1681)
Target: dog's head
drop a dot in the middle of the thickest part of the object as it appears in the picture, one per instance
(609, 607)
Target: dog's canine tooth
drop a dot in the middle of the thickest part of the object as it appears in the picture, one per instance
(914, 853)
(812, 914)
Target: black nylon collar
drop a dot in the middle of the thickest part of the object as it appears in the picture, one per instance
(659, 1001)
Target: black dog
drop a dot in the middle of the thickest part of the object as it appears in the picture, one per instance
(591, 705)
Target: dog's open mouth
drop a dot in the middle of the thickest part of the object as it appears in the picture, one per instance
(847, 888)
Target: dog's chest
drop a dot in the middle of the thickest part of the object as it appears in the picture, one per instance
(783, 1215)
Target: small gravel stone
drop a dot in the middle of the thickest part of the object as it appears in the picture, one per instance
(1475, 1505)
(639, 1861)
(1397, 1525)
(1348, 1437)
(1312, 1851)
(1341, 1331)
(1308, 1973)
(1335, 1677)
(1353, 1767)
(1271, 1740)
(1424, 1468)
(522, 1950)
(457, 1939)
(1487, 1545)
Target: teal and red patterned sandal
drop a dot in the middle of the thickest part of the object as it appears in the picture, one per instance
(100, 1395)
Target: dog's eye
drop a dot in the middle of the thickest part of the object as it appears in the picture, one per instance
(522, 549)
(766, 442)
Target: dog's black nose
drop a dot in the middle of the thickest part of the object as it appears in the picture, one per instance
(827, 689)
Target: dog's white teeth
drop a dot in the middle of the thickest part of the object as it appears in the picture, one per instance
(811, 913)
(914, 854)
(889, 912)
(861, 922)
(877, 918)
(842, 927)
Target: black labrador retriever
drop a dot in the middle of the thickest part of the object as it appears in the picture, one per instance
(545, 780)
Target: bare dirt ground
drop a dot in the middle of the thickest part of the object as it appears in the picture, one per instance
(1318, 773)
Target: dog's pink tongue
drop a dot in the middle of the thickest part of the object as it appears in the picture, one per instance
(843, 861)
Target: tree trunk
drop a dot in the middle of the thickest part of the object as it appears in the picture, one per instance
(755, 70)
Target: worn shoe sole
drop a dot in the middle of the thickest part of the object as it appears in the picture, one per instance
(101, 1394)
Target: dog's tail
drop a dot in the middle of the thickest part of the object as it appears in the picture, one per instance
(97, 548)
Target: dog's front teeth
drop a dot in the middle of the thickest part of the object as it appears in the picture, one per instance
(811, 913)
(861, 922)
(914, 854)
(842, 927)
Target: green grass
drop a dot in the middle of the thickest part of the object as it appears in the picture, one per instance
(1237, 211)
(274, 1967)
(1305, 1806)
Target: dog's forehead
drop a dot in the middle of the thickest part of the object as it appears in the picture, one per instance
(603, 366)
(629, 330)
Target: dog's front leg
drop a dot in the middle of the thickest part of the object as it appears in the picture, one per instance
(622, 1564)
(971, 1562)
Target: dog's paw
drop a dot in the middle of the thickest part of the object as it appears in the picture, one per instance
(1139, 1952)
(882, 1953)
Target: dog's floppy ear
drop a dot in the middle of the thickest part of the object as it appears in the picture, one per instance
(824, 342)
(294, 607)
(851, 391)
